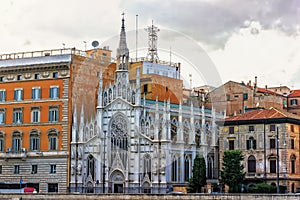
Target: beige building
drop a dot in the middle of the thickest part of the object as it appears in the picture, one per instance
(255, 133)
(236, 98)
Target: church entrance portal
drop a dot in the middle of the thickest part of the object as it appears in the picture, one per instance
(117, 182)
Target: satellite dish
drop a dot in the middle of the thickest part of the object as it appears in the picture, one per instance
(95, 44)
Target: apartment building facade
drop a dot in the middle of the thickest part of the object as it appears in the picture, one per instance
(237, 98)
(37, 95)
(265, 137)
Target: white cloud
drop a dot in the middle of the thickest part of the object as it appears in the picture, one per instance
(269, 54)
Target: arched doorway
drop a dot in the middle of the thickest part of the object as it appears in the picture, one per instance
(117, 182)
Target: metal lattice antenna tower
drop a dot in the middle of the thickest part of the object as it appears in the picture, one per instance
(152, 42)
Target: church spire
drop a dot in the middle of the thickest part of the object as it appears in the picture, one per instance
(122, 51)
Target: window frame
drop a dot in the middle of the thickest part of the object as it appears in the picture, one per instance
(16, 169)
(35, 114)
(53, 169)
(54, 89)
(272, 143)
(16, 145)
(17, 115)
(231, 130)
(53, 113)
(34, 94)
(231, 145)
(2, 95)
(2, 115)
(251, 164)
(34, 169)
(273, 167)
(18, 94)
(35, 140)
(272, 127)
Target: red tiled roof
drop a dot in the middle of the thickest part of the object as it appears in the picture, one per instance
(294, 93)
(263, 90)
(271, 113)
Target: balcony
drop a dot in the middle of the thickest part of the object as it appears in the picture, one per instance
(11, 154)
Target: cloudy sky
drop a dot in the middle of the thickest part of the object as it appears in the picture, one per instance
(243, 38)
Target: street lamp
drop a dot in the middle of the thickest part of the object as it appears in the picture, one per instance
(103, 171)
(277, 158)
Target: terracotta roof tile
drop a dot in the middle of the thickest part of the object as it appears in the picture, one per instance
(294, 93)
(271, 113)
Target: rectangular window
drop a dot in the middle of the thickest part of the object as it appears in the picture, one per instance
(34, 169)
(53, 114)
(54, 92)
(245, 96)
(19, 77)
(272, 143)
(2, 95)
(16, 144)
(292, 144)
(36, 93)
(1, 144)
(36, 76)
(292, 128)
(251, 129)
(55, 74)
(35, 114)
(17, 115)
(0, 169)
(52, 187)
(231, 144)
(272, 127)
(231, 130)
(34, 143)
(53, 143)
(251, 144)
(52, 169)
(294, 102)
(2, 116)
(2, 79)
(18, 94)
(272, 166)
(228, 97)
(16, 169)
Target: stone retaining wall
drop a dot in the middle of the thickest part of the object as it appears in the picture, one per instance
(148, 197)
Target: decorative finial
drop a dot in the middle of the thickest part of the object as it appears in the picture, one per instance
(123, 21)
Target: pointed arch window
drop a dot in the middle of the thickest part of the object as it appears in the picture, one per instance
(251, 164)
(91, 166)
(147, 165)
(174, 169)
(187, 167)
(119, 137)
(210, 167)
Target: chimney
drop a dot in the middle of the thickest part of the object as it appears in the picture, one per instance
(255, 82)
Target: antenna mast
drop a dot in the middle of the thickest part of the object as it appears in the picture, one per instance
(152, 42)
(136, 37)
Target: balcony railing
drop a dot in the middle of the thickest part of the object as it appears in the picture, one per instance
(10, 153)
(32, 54)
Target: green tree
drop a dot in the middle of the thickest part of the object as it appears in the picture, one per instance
(198, 179)
(232, 173)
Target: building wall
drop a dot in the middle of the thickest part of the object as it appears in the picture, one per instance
(263, 152)
(158, 86)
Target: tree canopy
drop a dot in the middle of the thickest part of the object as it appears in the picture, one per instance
(232, 173)
(198, 179)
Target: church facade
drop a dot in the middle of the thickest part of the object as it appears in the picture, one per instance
(137, 145)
